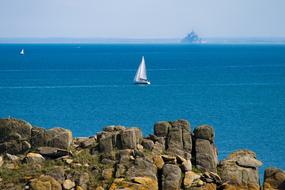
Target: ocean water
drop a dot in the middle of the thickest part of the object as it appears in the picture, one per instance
(238, 89)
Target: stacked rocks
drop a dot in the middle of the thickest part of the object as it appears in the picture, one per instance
(121, 158)
(205, 151)
(240, 170)
(18, 137)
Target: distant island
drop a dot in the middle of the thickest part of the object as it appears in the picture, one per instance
(192, 38)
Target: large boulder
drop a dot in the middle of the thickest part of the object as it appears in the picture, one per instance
(129, 138)
(205, 132)
(189, 178)
(58, 137)
(15, 135)
(177, 135)
(105, 144)
(206, 157)
(119, 137)
(161, 128)
(274, 179)
(240, 170)
(14, 128)
(142, 168)
(52, 152)
(171, 177)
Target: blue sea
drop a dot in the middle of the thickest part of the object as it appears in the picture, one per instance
(238, 89)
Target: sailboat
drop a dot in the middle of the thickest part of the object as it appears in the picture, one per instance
(141, 77)
(22, 52)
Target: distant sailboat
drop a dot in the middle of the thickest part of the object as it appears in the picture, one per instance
(22, 52)
(141, 76)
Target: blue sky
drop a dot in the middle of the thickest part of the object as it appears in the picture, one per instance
(141, 18)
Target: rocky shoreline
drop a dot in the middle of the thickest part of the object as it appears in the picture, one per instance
(120, 158)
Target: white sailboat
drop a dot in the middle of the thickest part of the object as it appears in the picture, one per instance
(141, 76)
(22, 52)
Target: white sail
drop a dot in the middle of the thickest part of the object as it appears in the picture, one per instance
(141, 72)
(22, 52)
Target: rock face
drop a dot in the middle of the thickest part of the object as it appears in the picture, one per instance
(205, 150)
(119, 137)
(240, 169)
(18, 136)
(274, 179)
(171, 177)
(177, 136)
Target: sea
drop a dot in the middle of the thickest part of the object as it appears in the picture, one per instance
(237, 89)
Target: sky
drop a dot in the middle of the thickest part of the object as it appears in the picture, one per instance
(141, 19)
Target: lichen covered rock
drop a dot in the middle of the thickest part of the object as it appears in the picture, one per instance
(243, 175)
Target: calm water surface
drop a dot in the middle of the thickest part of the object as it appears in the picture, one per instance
(238, 89)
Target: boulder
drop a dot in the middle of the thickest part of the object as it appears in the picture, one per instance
(177, 135)
(58, 137)
(147, 144)
(189, 178)
(68, 184)
(243, 175)
(161, 128)
(205, 132)
(186, 133)
(52, 152)
(248, 161)
(87, 142)
(105, 144)
(142, 168)
(55, 137)
(274, 179)
(14, 128)
(38, 137)
(186, 165)
(34, 158)
(171, 177)
(129, 138)
(205, 155)
(174, 138)
(45, 183)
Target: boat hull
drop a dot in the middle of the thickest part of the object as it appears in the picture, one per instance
(142, 82)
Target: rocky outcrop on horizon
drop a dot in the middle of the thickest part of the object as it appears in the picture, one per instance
(173, 158)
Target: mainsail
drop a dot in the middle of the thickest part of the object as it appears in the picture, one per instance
(141, 72)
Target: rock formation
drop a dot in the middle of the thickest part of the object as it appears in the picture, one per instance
(117, 158)
(206, 157)
(240, 170)
(274, 179)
